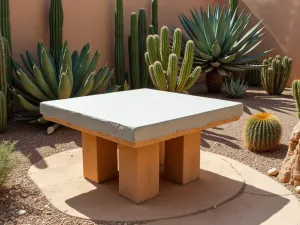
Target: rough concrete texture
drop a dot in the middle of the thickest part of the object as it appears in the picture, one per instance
(140, 115)
(228, 193)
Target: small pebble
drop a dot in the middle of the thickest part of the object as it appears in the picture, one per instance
(21, 212)
(298, 189)
(273, 172)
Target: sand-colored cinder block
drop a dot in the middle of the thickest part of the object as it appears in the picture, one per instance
(100, 162)
(182, 158)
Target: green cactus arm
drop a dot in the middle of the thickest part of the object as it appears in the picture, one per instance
(177, 36)
(3, 75)
(30, 87)
(286, 72)
(157, 47)
(164, 47)
(155, 15)
(160, 76)
(142, 33)
(64, 88)
(172, 72)
(152, 76)
(147, 59)
(296, 95)
(134, 52)
(278, 77)
(151, 49)
(48, 71)
(87, 86)
(151, 30)
(192, 78)
(186, 66)
(42, 84)
(27, 105)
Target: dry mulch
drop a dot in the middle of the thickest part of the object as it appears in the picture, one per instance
(33, 144)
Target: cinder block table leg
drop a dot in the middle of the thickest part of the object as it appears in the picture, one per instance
(182, 158)
(139, 172)
(100, 161)
(162, 153)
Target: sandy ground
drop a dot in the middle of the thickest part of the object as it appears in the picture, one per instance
(33, 144)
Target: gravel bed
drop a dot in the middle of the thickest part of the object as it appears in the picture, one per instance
(33, 144)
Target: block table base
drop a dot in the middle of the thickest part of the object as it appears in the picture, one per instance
(100, 160)
(139, 172)
(182, 158)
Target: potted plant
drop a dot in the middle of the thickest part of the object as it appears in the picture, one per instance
(222, 43)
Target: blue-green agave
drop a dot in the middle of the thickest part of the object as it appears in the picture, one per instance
(75, 76)
(221, 41)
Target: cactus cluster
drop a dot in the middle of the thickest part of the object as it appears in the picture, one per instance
(56, 20)
(77, 77)
(3, 86)
(162, 60)
(275, 74)
(296, 95)
(253, 77)
(262, 132)
(139, 30)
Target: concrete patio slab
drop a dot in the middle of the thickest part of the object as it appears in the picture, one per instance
(227, 193)
(64, 186)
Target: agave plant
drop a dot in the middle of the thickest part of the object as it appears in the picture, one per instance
(235, 88)
(222, 43)
(75, 76)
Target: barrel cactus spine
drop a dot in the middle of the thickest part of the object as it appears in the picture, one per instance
(164, 65)
(262, 132)
(134, 53)
(56, 20)
(275, 74)
(119, 43)
(296, 95)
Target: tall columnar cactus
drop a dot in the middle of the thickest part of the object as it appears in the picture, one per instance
(275, 74)
(6, 33)
(163, 62)
(155, 15)
(134, 53)
(296, 95)
(119, 43)
(56, 20)
(143, 33)
(262, 132)
(3, 87)
(253, 77)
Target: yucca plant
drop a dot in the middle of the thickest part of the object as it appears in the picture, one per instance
(75, 76)
(222, 44)
(235, 88)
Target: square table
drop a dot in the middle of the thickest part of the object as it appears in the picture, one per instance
(136, 122)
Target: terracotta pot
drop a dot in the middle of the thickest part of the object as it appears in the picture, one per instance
(214, 82)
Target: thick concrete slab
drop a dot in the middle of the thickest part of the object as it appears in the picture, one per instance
(140, 115)
(64, 186)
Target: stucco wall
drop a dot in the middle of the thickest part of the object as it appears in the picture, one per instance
(282, 21)
(85, 21)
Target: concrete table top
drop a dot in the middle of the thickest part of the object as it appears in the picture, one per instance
(140, 115)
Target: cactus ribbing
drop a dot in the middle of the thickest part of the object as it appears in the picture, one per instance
(155, 15)
(163, 66)
(3, 86)
(275, 74)
(119, 43)
(296, 95)
(134, 53)
(262, 132)
(5, 21)
(143, 32)
(56, 20)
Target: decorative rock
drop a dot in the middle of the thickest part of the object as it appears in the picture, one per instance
(273, 172)
(298, 189)
(21, 212)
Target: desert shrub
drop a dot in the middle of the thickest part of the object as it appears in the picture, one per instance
(7, 160)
